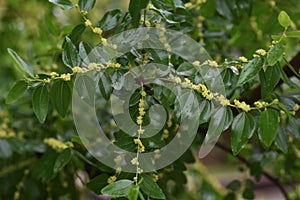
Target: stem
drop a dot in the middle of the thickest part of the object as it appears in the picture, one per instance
(275, 181)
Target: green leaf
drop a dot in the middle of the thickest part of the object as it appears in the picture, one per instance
(282, 139)
(269, 122)
(40, 102)
(43, 170)
(228, 118)
(150, 188)
(133, 192)
(16, 92)
(250, 70)
(135, 9)
(85, 86)
(206, 109)
(105, 86)
(21, 65)
(275, 54)
(70, 54)
(234, 185)
(110, 20)
(86, 5)
(61, 96)
(63, 4)
(284, 19)
(269, 79)
(62, 160)
(118, 188)
(75, 34)
(186, 69)
(295, 34)
(97, 183)
(215, 128)
(243, 127)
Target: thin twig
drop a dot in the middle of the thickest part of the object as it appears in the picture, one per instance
(275, 181)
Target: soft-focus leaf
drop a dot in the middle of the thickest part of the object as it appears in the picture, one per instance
(16, 92)
(269, 122)
(62, 160)
(75, 34)
(250, 70)
(63, 4)
(86, 5)
(284, 19)
(85, 87)
(61, 96)
(150, 188)
(40, 100)
(21, 65)
(186, 69)
(97, 183)
(118, 188)
(295, 34)
(135, 9)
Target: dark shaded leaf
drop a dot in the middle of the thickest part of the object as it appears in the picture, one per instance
(135, 9)
(250, 70)
(61, 96)
(70, 54)
(62, 160)
(110, 20)
(86, 5)
(269, 122)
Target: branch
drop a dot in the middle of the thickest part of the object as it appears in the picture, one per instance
(255, 94)
(275, 181)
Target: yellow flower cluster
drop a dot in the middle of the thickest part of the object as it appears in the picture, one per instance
(242, 105)
(261, 104)
(113, 65)
(97, 30)
(165, 134)
(141, 147)
(56, 144)
(134, 161)
(296, 107)
(211, 63)
(88, 23)
(261, 52)
(7, 135)
(223, 101)
(66, 77)
(111, 179)
(243, 59)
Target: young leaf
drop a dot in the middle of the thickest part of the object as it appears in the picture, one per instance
(150, 188)
(284, 19)
(118, 188)
(105, 86)
(62, 160)
(61, 96)
(63, 4)
(250, 70)
(275, 54)
(269, 79)
(135, 9)
(21, 65)
(269, 122)
(243, 127)
(40, 102)
(215, 128)
(86, 5)
(133, 192)
(110, 20)
(70, 54)
(16, 91)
